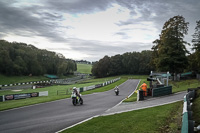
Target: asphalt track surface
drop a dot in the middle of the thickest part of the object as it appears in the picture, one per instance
(54, 116)
(147, 103)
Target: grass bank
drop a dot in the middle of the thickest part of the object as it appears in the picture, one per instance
(84, 68)
(183, 85)
(19, 79)
(151, 120)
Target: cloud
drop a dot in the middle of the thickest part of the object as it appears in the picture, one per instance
(122, 34)
(95, 50)
(79, 6)
(88, 29)
(23, 22)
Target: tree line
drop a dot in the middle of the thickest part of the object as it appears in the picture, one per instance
(128, 63)
(168, 53)
(22, 59)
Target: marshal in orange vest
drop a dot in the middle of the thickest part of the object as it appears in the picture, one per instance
(144, 88)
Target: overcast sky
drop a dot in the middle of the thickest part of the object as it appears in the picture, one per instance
(91, 29)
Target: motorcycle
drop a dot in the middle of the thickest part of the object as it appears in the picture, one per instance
(76, 100)
(117, 91)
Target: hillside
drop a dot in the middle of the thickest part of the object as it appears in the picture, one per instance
(84, 68)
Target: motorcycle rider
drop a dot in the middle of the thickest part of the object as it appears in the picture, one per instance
(116, 90)
(76, 91)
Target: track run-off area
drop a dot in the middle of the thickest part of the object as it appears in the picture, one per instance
(55, 116)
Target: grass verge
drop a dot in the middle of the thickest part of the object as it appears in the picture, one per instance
(151, 120)
(183, 85)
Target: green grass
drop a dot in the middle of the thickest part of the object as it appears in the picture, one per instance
(19, 79)
(52, 93)
(84, 68)
(183, 85)
(151, 120)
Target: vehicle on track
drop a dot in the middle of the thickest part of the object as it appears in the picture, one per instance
(76, 98)
(116, 90)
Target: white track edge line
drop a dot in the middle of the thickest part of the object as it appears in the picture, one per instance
(142, 107)
(122, 99)
(78, 123)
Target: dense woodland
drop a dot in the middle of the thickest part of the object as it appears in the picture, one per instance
(169, 53)
(22, 59)
(128, 63)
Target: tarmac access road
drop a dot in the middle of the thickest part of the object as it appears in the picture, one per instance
(54, 116)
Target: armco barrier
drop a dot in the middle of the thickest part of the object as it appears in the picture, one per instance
(97, 85)
(187, 120)
(55, 81)
(187, 123)
(166, 90)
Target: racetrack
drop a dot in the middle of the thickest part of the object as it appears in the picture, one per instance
(54, 116)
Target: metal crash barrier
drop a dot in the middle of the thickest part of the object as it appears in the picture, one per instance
(188, 125)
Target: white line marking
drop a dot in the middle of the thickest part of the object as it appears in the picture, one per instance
(78, 123)
(123, 99)
(141, 108)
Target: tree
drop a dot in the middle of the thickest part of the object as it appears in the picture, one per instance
(116, 66)
(102, 67)
(170, 48)
(144, 62)
(22, 59)
(196, 45)
(95, 68)
(128, 63)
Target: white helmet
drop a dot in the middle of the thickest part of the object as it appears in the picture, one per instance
(74, 88)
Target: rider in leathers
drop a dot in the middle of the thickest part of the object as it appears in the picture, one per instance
(76, 91)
